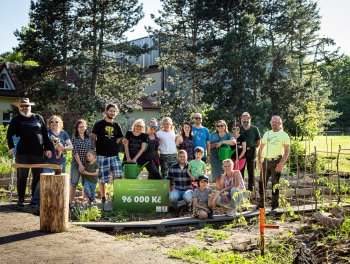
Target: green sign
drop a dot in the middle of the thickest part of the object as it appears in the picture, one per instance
(141, 196)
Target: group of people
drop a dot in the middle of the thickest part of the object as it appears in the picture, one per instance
(181, 158)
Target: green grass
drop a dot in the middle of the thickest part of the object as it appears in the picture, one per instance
(331, 144)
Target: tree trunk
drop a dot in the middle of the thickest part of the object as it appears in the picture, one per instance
(54, 202)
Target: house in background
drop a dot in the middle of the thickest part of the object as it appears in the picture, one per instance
(8, 93)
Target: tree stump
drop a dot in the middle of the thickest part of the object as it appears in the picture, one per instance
(54, 202)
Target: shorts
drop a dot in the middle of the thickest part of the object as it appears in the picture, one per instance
(107, 165)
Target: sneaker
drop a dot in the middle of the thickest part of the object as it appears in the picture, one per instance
(211, 214)
(232, 212)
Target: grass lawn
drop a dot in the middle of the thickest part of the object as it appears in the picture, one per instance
(331, 144)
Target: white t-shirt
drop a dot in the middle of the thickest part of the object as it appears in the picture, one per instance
(167, 142)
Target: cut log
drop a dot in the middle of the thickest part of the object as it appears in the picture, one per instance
(54, 202)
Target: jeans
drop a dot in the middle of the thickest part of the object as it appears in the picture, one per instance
(267, 171)
(177, 195)
(90, 190)
(250, 163)
(236, 198)
(47, 170)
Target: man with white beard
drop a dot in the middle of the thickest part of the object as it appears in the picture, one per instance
(33, 144)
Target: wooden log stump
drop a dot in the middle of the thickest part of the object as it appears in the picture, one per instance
(54, 202)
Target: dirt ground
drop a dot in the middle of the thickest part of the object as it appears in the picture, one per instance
(22, 242)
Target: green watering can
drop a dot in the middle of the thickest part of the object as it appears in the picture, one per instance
(132, 170)
(225, 152)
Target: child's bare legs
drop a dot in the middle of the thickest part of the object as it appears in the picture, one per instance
(202, 214)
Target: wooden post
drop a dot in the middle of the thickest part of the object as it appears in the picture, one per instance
(54, 202)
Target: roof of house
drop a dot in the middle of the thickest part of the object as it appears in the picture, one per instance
(146, 103)
(16, 83)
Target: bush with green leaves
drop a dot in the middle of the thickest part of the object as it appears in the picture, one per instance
(299, 157)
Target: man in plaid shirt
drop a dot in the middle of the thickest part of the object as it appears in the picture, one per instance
(180, 181)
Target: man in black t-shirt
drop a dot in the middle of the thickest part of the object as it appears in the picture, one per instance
(106, 133)
(252, 135)
(33, 143)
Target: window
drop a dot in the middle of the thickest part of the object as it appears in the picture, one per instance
(6, 118)
(4, 82)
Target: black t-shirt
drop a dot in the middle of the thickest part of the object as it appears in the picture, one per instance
(135, 142)
(33, 135)
(107, 135)
(239, 140)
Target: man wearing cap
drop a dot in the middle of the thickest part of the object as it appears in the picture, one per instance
(201, 136)
(33, 143)
(252, 135)
(275, 148)
(106, 134)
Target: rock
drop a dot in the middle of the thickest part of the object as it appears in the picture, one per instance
(242, 245)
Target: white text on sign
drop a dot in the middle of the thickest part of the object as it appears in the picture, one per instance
(142, 199)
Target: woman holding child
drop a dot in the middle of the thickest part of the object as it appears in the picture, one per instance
(239, 156)
(217, 138)
(135, 143)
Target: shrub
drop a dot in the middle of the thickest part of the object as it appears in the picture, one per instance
(298, 152)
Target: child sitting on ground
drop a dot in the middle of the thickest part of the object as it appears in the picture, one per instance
(197, 167)
(203, 200)
(90, 175)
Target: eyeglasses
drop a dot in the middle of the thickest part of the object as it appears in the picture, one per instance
(203, 181)
(220, 125)
(153, 126)
(139, 126)
(197, 117)
(24, 106)
(54, 122)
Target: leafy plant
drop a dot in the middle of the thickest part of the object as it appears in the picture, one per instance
(84, 214)
(211, 234)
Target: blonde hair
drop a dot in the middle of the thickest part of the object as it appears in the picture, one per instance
(227, 161)
(224, 122)
(279, 118)
(167, 119)
(139, 121)
(60, 122)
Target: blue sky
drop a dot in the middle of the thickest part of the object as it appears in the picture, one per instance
(335, 21)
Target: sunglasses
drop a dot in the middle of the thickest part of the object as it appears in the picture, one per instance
(152, 126)
(24, 106)
(197, 117)
(54, 122)
(236, 129)
(220, 125)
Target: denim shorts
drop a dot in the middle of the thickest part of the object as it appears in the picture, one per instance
(107, 165)
(75, 175)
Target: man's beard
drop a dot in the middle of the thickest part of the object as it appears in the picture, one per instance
(25, 114)
(245, 123)
(109, 116)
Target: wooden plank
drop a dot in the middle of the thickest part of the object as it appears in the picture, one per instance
(56, 167)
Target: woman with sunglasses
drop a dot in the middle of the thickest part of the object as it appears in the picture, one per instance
(185, 140)
(135, 143)
(61, 144)
(217, 138)
(239, 156)
(60, 140)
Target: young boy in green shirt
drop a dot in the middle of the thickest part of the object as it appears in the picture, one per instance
(197, 167)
